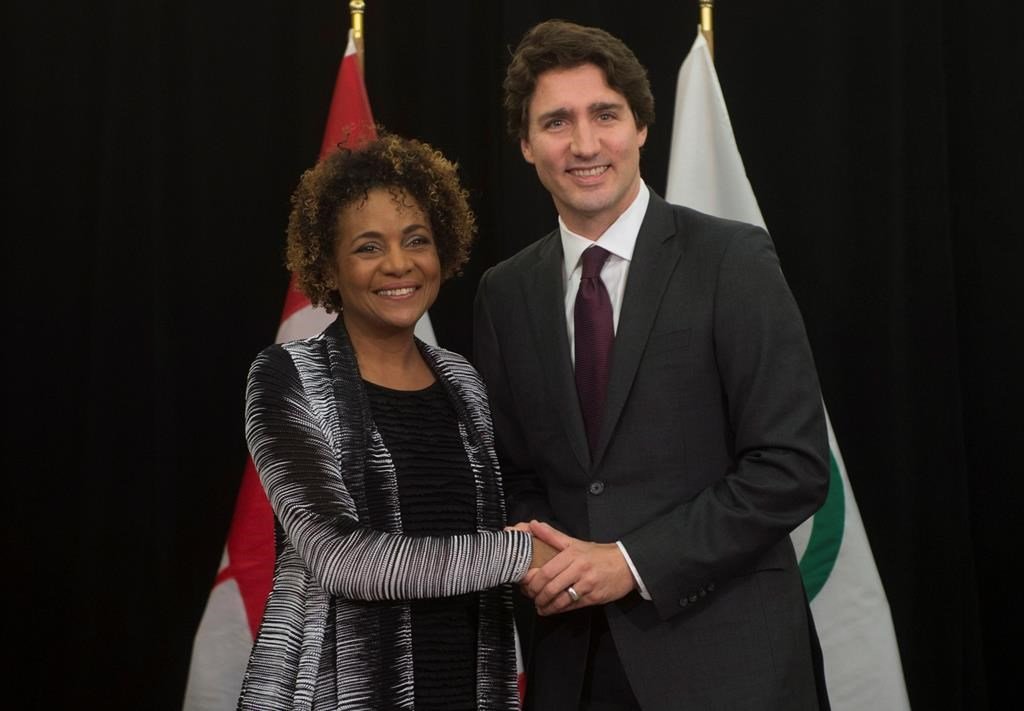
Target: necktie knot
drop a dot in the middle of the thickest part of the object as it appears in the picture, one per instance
(593, 259)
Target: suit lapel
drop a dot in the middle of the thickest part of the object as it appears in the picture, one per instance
(543, 294)
(654, 259)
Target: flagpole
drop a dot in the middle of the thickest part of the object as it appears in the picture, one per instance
(357, 8)
(706, 25)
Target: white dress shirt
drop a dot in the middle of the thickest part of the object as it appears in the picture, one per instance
(620, 240)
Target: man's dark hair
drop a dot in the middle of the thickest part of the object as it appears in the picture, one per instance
(557, 44)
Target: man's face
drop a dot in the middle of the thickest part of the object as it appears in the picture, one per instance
(584, 142)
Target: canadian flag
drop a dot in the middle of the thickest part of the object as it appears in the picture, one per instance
(234, 609)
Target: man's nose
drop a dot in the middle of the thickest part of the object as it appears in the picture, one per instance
(584, 140)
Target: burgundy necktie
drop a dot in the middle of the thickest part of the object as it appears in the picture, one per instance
(592, 319)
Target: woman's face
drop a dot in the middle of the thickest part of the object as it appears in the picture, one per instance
(387, 270)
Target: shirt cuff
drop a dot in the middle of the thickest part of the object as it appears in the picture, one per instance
(632, 568)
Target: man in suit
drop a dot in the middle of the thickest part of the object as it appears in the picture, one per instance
(657, 412)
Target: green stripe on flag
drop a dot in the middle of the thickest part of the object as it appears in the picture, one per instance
(826, 534)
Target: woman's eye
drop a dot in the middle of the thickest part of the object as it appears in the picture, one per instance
(419, 240)
(366, 248)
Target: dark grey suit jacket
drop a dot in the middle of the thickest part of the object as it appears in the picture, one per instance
(712, 449)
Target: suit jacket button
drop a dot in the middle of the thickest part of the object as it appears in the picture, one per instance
(683, 602)
(597, 488)
(711, 587)
(693, 597)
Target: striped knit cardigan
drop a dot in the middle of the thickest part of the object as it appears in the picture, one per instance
(336, 631)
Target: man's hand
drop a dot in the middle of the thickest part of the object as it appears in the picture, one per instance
(597, 572)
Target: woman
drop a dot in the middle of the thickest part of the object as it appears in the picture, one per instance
(392, 581)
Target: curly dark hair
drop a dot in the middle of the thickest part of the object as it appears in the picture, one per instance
(557, 44)
(345, 177)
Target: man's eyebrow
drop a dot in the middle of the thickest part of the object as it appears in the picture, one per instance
(600, 106)
(559, 113)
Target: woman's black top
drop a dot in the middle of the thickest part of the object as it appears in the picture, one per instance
(436, 497)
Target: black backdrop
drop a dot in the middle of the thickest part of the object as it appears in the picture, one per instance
(150, 148)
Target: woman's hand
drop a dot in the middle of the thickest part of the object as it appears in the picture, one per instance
(542, 553)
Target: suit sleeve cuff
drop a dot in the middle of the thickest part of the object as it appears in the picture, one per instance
(632, 568)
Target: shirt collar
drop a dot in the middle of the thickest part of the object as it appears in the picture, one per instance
(619, 238)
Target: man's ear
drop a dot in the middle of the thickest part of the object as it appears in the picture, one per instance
(524, 146)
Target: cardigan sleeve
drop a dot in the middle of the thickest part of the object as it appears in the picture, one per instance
(305, 483)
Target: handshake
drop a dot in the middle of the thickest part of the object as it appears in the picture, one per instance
(567, 573)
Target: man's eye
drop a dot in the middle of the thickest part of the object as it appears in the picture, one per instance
(554, 123)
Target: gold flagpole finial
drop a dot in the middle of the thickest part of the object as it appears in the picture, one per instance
(706, 25)
(357, 8)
